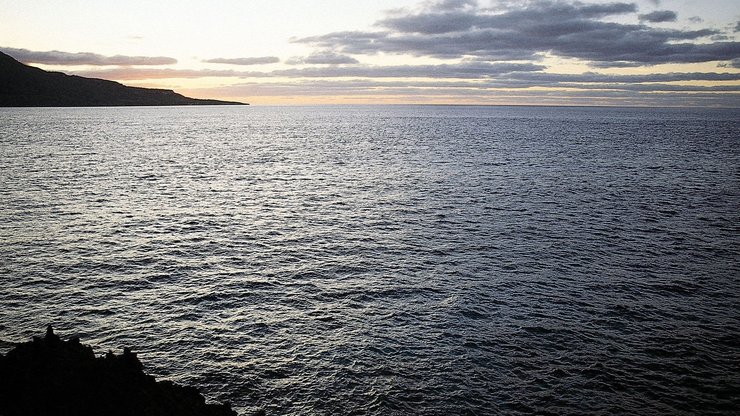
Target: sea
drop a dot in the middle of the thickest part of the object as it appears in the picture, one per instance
(386, 260)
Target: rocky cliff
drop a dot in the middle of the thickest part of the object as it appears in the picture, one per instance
(49, 376)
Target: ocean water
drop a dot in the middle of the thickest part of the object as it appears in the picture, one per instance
(386, 260)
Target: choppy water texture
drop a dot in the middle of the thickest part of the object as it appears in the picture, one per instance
(386, 260)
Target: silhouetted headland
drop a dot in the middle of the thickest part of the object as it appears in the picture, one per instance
(49, 376)
(26, 86)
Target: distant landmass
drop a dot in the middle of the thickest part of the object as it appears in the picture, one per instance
(26, 86)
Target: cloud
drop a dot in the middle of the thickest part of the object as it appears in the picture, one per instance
(567, 29)
(402, 87)
(454, 4)
(593, 77)
(536, 14)
(469, 75)
(430, 23)
(260, 60)
(735, 63)
(659, 16)
(84, 58)
(502, 91)
(312, 86)
(473, 80)
(465, 70)
(323, 58)
(127, 73)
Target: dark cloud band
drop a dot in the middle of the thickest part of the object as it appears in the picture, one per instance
(659, 16)
(259, 60)
(562, 28)
(323, 58)
(84, 58)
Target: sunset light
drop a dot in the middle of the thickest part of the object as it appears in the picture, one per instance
(454, 51)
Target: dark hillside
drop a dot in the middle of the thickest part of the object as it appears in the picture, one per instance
(25, 86)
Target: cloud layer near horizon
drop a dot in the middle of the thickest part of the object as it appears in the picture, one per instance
(84, 58)
(259, 60)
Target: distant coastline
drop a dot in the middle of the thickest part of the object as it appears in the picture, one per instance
(26, 86)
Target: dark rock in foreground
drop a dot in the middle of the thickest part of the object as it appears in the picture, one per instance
(26, 86)
(49, 376)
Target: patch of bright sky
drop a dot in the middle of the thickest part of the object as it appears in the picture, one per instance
(187, 30)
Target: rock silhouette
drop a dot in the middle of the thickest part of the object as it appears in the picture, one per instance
(49, 376)
(26, 86)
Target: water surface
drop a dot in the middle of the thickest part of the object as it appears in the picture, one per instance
(386, 259)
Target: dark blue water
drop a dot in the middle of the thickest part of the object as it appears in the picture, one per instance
(386, 260)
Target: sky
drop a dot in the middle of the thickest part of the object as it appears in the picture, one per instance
(520, 52)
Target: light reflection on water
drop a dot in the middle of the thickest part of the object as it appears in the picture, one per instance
(375, 260)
